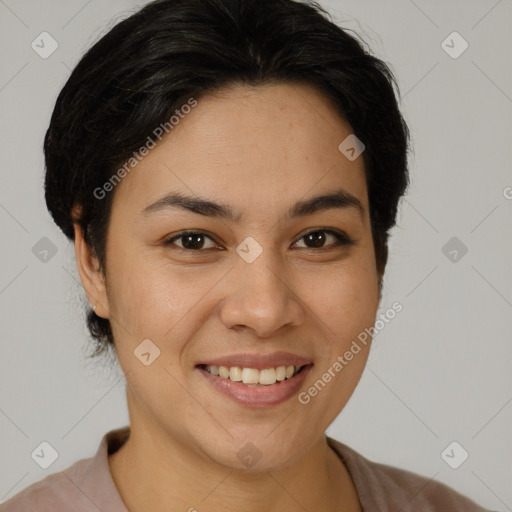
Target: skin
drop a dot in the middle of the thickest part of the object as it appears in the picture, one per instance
(259, 150)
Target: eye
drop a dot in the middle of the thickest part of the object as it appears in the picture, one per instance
(195, 240)
(191, 240)
(317, 238)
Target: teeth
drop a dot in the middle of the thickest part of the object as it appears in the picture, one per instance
(223, 371)
(235, 373)
(268, 376)
(252, 376)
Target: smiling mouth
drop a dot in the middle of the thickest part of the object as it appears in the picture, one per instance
(252, 376)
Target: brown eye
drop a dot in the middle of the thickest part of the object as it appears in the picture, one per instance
(191, 241)
(316, 239)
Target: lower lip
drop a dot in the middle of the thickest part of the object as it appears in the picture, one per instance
(257, 396)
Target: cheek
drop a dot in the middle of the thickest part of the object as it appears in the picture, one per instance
(345, 298)
(155, 300)
(346, 301)
(345, 304)
(142, 299)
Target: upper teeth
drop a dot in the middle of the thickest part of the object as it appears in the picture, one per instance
(252, 375)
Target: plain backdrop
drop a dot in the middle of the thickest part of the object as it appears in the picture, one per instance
(439, 372)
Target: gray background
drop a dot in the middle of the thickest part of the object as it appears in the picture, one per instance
(439, 372)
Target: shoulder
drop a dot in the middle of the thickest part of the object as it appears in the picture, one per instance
(56, 492)
(85, 486)
(383, 487)
(420, 493)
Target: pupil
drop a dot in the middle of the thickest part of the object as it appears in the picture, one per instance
(317, 238)
(194, 240)
(193, 244)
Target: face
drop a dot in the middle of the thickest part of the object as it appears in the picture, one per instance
(268, 284)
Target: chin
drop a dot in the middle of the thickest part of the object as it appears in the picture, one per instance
(254, 450)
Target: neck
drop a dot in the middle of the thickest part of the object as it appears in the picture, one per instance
(166, 474)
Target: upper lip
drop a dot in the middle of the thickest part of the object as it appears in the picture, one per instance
(258, 361)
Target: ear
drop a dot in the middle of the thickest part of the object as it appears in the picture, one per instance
(91, 276)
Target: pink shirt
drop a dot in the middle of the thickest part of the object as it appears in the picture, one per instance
(87, 486)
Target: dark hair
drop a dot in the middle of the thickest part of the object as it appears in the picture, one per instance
(147, 66)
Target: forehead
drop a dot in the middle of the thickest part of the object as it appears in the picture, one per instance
(261, 145)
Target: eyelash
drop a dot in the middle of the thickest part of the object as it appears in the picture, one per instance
(342, 240)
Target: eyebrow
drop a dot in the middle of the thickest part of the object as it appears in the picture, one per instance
(340, 199)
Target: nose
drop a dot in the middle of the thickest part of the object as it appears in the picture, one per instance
(261, 298)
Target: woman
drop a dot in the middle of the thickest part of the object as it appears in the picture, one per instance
(228, 171)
